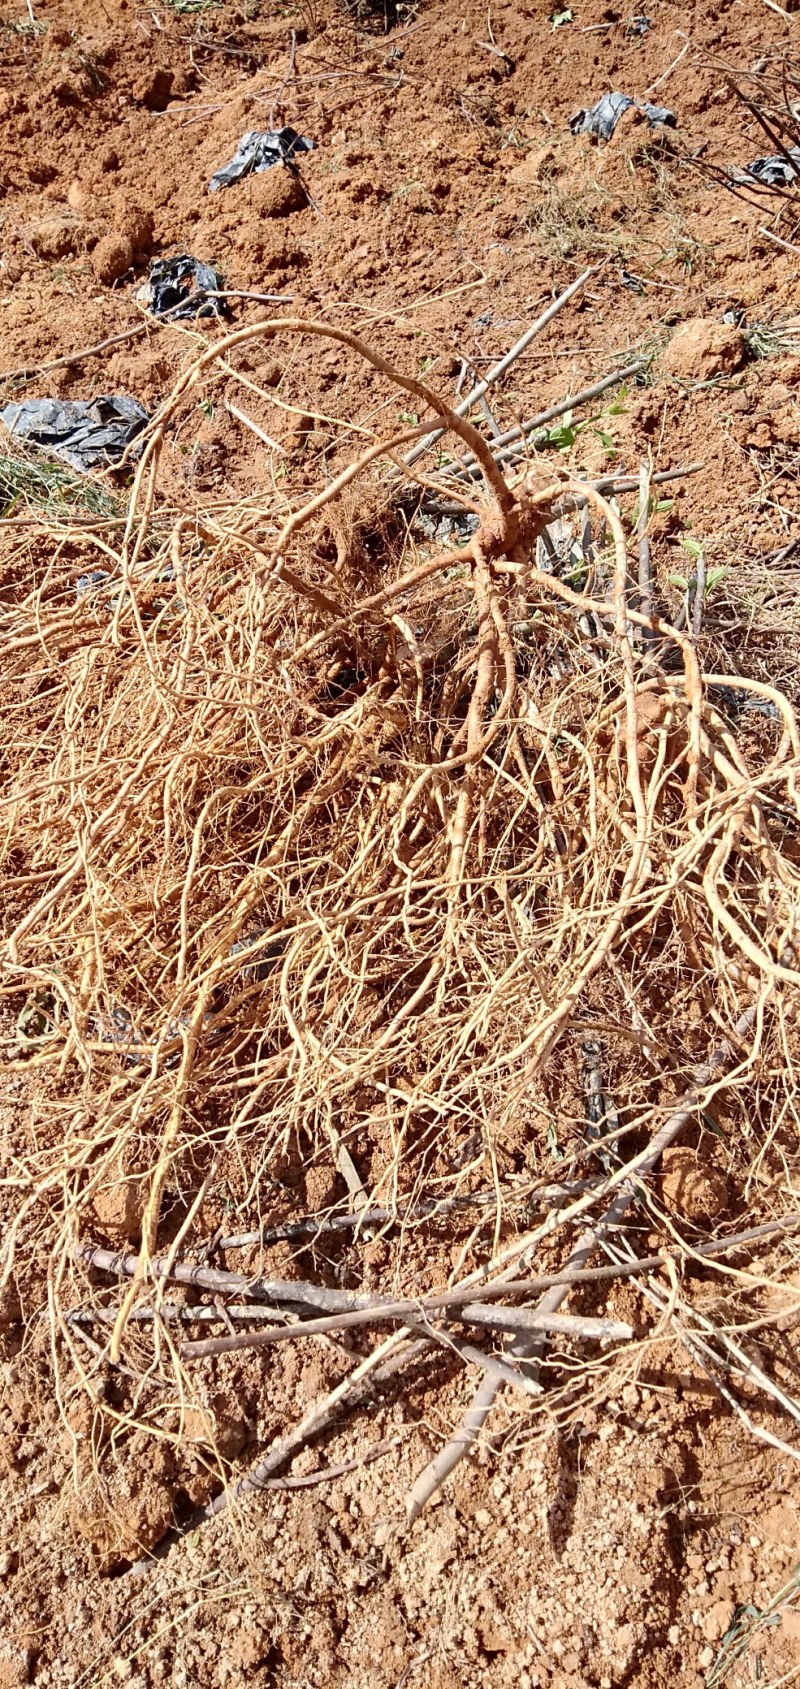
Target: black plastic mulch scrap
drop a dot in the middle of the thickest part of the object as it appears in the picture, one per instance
(603, 118)
(85, 435)
(777, 171)
(259, 150)
(180, 287)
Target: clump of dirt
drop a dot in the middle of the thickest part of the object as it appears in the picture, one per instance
(701, 350)
(692, 1187)
(112, 256)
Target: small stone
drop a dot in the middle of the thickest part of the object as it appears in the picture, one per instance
(706, 1659)
(109, 159)
(702, 349)
(112, 256)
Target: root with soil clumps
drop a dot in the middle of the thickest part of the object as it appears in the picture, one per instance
(313, 845)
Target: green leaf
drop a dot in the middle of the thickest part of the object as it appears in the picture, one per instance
(714, 577)
(694, 547)
(605, 440)
(712, 1124)
(679, 580)
(663, 504)
(552, 1143)
(37, 1018)
(563, 434)
(558, 19)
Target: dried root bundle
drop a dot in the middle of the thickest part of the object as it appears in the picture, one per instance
(312, 848)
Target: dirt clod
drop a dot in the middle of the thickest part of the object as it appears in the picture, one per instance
(15, 1666)
(136, 227)
(276, 192)
(112, 256)
(153, 89)
(127, 1514)
(56, 237)
(692, 1188)
(118, 1206)
(702, 349)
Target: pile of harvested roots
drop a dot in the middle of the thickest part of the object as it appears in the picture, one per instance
(321, 843)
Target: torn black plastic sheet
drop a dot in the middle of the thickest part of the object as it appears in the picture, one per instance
(182, 287)
(603, 118)
(779, 170)
(86, 435)
(91, 582)
(259, 150)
